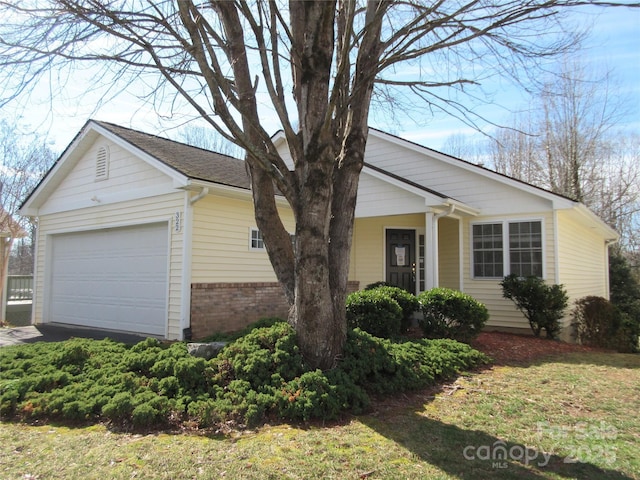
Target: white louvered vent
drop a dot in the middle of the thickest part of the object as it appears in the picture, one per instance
(102, 164)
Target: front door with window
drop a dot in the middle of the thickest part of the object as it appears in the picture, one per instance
(401, 259)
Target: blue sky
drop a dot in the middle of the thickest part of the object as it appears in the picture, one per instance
(614, 44)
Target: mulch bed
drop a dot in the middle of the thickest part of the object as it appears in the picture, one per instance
(507, 348)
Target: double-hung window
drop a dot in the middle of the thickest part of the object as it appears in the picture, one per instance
(255, 239)
(502, 248)
(256, 242)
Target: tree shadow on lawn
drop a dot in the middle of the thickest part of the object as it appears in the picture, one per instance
(474, 454)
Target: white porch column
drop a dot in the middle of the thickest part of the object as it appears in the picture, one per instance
(430, 251)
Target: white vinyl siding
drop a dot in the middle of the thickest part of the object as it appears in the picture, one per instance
(129, 178)
(583, 259)
(450, 178)
(378, 198)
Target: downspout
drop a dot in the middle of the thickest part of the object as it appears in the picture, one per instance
(434, 244)
(606, 269)
(203, 193)
(187, 239)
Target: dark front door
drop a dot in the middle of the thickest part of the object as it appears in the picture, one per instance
(401, 259)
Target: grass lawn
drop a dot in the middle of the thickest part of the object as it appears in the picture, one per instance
(570, 416)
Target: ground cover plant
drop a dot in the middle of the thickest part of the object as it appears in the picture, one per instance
(259, 376)
(560, 406)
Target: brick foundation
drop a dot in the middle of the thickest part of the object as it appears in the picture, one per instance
(227, 307)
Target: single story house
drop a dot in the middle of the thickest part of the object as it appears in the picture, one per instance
(142, 234)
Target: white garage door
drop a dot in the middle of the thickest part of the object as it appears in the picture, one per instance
(114, 279)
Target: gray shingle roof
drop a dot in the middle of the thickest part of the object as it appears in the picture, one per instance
(195, 163)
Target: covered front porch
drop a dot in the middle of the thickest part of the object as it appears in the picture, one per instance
(416, 251)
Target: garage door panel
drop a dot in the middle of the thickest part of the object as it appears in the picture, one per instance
(114, 279)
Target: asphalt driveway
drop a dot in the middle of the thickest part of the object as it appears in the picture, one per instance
(59, 333)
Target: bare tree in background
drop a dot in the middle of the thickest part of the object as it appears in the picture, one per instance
(208, 139)
(567, 143)
(317, 65)
(23, 161)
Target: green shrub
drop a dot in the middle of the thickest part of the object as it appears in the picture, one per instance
(625, 295)
(407, 301)
(374, 285)
(231, 336)
(311, 395)
(597, 322)
(259, 355)
(374, 311)
(381, 366)
(543, 305)
(119, 407)
(452, 314)
(259, 376)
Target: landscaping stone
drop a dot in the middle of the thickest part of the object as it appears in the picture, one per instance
(205, 350)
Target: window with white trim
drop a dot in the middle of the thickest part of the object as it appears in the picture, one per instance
(488, 256)
(102, 163)
(256, 241)
(525, 249)
(502, 248)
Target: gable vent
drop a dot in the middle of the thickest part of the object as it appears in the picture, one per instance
(102, 164)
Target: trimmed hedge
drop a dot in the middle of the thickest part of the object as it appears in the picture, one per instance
(407, 301)
(375, 312)
(259, 376)
(452, 314)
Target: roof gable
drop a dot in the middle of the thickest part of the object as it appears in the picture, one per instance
(558, 201)
(180, 162)
(193, 162)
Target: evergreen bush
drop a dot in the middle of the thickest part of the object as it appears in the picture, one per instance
(374, 311)
(448, 313)
(625, 295)
(599, 323)
(408, 302)
(543, 305)
(259, 376)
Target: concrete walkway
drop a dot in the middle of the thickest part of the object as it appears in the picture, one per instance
(59, 333)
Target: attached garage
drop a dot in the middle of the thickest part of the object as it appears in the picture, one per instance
(114, 279)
